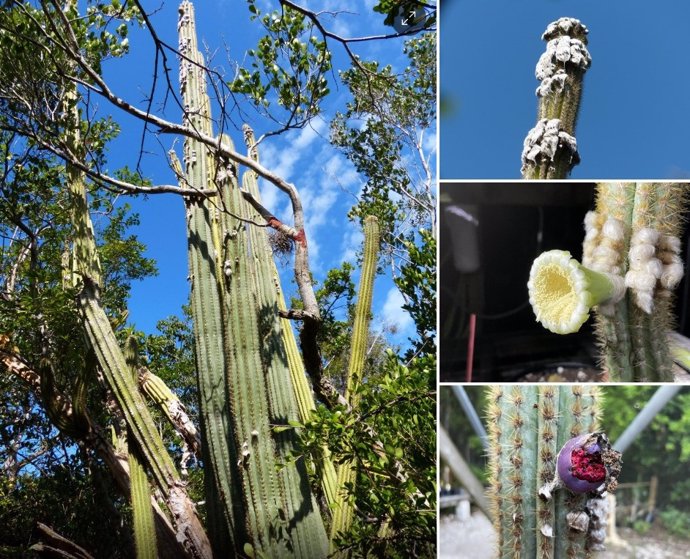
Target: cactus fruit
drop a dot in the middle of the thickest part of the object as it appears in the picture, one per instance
(550, 148)
(546, 461)
(631, 264)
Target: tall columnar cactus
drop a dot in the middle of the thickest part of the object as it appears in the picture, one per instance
(258, 503)
(548, 464)
(344, 508)
(85, 274)
(550, 148)
(272, 295)
(631, 264)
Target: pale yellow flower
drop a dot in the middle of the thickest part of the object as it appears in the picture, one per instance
(562, 291)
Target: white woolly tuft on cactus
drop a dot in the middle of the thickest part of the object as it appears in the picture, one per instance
(645, 267)
(564, 26)
(544, 140)
(560, 51)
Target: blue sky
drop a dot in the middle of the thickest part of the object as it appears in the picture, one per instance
(635, 114)
(326, 180)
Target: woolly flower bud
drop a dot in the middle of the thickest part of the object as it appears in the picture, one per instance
(544, 140)
(645, 267)
(562, 291)
(669, 255)
(565, 26)
(585, 463)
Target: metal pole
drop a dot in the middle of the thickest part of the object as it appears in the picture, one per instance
(471, 414)
(462, 471)
(656, 403)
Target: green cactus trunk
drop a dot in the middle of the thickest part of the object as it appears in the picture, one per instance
(347, 474)
(144, 527)
(85, 273)
(273, 298)
(528, 426)
(550, 149)
(259, 504)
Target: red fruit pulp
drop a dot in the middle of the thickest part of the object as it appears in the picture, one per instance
(588, 467)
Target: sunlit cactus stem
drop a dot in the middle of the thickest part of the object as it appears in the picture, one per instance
(84, 273)
(144, 527)
(630, 266)
(547, 463)
(259, 503)
(273, 293)
(550, 148)
(344, 509)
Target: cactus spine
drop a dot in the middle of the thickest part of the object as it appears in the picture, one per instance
(527, 427)
(550, 148)
(344, 509)
(258, 505)
(632, 239)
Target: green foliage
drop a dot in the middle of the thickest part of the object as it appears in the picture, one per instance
(77, 503)
(392, 8)
(288, 66)
(392, 431)
(417, 283)
(381, 133)
(662, 449)
(122, 257)
(676, 522)
(641, 527)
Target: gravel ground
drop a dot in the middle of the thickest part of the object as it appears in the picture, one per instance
(475, 539)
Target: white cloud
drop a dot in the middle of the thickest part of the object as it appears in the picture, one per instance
(282, 154)
(352, 241)
(429, 142)
(392, 312)
(338, 170)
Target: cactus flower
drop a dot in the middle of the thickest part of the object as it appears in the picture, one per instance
(562, 291)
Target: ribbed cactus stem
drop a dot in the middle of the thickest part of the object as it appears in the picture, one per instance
(528, 428)
(344, 509)
(273, 294)
(257, 504)
(224, 502)
(86, 274)
(360, 329)
(155, 388)
(144, 527)
(607, 238)
(550, 148)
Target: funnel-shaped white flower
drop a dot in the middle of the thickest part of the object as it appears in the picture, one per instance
(562, 291)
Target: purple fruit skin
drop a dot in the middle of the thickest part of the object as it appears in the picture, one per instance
(564, 463)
